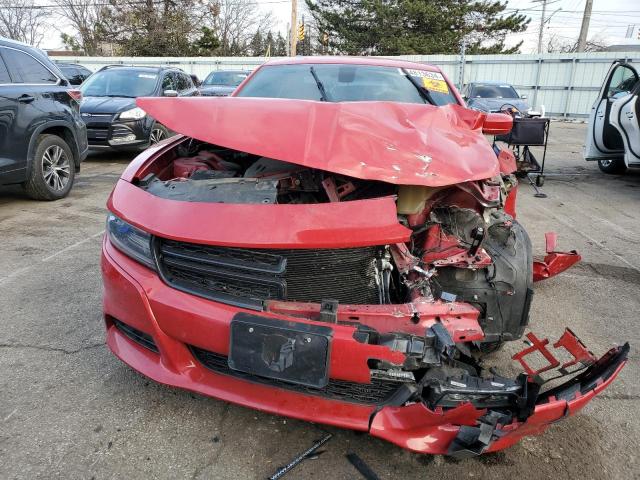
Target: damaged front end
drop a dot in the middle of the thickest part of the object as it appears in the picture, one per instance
(459, 409)
(373, 284)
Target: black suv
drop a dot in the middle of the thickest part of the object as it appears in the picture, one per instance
(42, 137)
(76, 74)
(109, 104)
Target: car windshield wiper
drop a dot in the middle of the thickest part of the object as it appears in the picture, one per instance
(424, 93)
(323, 92)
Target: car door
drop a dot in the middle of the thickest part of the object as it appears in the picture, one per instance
(27, 103)
(8, 114)
(185, 85)
(169, 84)
(603, 138)
(624, 117)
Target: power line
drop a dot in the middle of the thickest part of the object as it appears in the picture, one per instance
(129, 2)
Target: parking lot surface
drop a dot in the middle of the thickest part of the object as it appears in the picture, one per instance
(70, 409)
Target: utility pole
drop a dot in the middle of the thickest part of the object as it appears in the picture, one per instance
(294, 27)
(542, 22)
(584, 30)
(463, 48)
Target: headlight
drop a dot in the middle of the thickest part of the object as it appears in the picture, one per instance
(134, 114)
(130, 240)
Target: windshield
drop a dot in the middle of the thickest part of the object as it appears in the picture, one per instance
(493, 91)
(349, 83)
(227, 79)
(120, 83)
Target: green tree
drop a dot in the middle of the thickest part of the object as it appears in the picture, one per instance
(412, 27)
(151, 27)
(257, 45)
(269, 43)
(280, 48)
(207, 44)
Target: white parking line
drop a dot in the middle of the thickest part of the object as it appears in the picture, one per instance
(15, 273)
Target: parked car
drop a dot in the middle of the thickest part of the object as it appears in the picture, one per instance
(109, 104)
(42, 137)
(613, 134)
(196, 81)
(343, 251)
(494, 97)
(221, 83)
(75, 73)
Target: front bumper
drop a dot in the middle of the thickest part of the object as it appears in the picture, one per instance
(180, 325)
(107, 132)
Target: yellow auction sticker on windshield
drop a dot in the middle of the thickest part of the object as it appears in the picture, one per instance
(435, 85)
(432, 81)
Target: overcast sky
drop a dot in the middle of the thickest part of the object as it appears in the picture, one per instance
(609, 20)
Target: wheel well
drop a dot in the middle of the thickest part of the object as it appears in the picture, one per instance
(66, 134)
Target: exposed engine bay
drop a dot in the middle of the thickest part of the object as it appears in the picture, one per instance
(463, 247)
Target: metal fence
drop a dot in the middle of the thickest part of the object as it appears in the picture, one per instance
(566, 84)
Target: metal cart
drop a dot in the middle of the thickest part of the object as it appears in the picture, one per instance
(528, 132)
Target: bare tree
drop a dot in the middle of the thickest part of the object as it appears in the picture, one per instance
(85, 17)
(22, 20)
(559, 44)
(235, 22)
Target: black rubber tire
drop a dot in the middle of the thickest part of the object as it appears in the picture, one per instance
(487, 348)
(540, 181)
(166, 133)
(36, 186)
(616, 166)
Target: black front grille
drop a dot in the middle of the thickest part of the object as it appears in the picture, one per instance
(118, 131)
(136, 335)
(97, 133)
(373, 393)
(247, 278)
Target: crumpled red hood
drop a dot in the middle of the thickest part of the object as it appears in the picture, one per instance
(399, 143)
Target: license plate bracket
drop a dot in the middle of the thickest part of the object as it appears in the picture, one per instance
(289, 351)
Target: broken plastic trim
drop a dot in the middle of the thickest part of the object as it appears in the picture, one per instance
(554, 262)
(493, 425)
(521, 406)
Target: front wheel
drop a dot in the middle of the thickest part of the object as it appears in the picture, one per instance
(612, 166)
(158, 133)
(52, 169)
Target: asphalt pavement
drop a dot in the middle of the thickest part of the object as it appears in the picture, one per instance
(70, 410)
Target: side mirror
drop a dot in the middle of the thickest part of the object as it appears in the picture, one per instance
(170, 93)
(497, 124)
(523, 97)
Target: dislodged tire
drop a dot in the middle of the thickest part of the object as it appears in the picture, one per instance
(612, 165)
(52, 169)
(158, 133)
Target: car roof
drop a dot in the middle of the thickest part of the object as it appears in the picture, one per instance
(6, 42)
(373, 61)
(35, 52)
(143, 68)
(490, 82)
(66, 64)
(14, 43)
(229, 71)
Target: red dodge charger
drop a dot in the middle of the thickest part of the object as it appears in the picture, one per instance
(337, 242)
